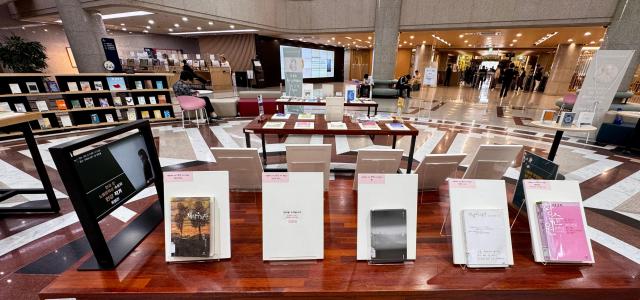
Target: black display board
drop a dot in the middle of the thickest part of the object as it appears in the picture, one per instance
(533, 167)
(111, 53)
(101, 179)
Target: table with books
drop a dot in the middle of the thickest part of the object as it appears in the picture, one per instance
(286, 124)
(559, 132)
(368, 103)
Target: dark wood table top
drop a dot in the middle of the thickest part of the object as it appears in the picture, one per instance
(320, 127)
(318, 103)
(145, 275)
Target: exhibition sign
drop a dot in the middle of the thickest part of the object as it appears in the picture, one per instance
(533, 167)
(293, 71)
(602, 81)
(430, 76)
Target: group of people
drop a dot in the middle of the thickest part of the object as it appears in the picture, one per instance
(511, 78)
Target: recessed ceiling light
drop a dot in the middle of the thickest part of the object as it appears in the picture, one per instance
(199, 28)
(587, 33)
(124, 29)
(511, 45)
(424, 42)
(570, 40)
(466, 41)
(145, 31)
(214, 31)
(515, 41)
(45, 30)
(601, 40)
(23, 28)
(592, 42)
(210, 22)
(328, 41)
(126, 14)
(176, 25)
(147, 27)
(410, 44)
(339, 43)
(347, 37)
(151, 22)
(411, 37)
(461, 36)
(369, 37)
(121, 24)
(518, 34)
(404, 42)
(333, 38)
(130, 32)
(232, 26)
(170, 29)
(185, 19)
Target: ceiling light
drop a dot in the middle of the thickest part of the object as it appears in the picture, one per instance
(410, 44)
(441, 39)
(515, 41)
(359, 40)
(601, 40)
(518, 34)
(151, 22)
(339, 43)
(328, 41)
(210, 22)
(411, 37)
(369, 37)
(176, 25)
(333, 38)
(214, 32)
(511, 45)
(126, 14)
(232, 26)
(592, 42)
(347, 37)
(130, 32)
(170, 29)
(124, 29)
(466, 41)
(544, 38)
(424, 42)
(461, 36)
(147, 27)
(570, 40)
(45, 30)
(185, 19)
(145, 31)
(199, 28)
(121, 24)
(23, 28)
(587, 33)
(404, 42)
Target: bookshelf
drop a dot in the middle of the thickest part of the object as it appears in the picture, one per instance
(88, 100)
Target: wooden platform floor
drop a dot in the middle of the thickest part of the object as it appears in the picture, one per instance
(145, 275)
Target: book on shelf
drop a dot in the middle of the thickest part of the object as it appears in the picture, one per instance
(567, 118)
(148, 84)
(52, 86)
(61, 104)
(65, 120)
(119, 114)
(85, 86)
(75, 104)
(4, 106)
(191, 232)
(117, 101)
(95, 119)
(159, 84)
(280, 116)
(44, 123)
(396, 126)
(336, 126)
(15, 88)
(42, 105)
(73, 86)
(109, 118)
(142, 100)
(98, 85)
(157, 114)
(306, 116)
(548, 116)
(104, 102)
(20, 107)
(369, 125)
(116, 83)
(131, 114)
(273, 125)
(138, 85)
(144, 114)
(162, 99)
(303, 125)
(167, 114)
(32, 87)
(152, 100)
(88, 102)
(129, 100)
(562, 232)
(485, 237)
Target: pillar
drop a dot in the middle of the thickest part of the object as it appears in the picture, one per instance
(562, 69)
(623, 34)
(84, 31)
(387, 25)
(423, 57)
(443, 60)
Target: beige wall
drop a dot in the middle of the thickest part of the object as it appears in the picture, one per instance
(55, 42)
(137, 42)
(239, 49)
(403, 62)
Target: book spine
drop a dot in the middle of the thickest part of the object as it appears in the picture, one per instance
(542, 211)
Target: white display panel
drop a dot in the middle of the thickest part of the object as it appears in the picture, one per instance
(292, 216)
(467, 194)
(317, 63)
(198, 184)
(386, 191)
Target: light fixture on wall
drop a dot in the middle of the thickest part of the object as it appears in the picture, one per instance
(214, 32)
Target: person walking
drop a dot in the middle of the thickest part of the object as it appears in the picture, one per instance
(447, 75)
(520, 81)
(507, 79)
(537, 77)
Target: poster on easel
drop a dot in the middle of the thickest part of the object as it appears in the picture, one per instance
(430, 76)
(293, 71)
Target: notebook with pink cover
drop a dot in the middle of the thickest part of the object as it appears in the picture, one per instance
(562, 232)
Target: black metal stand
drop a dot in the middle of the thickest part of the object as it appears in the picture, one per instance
(410, 160)
(554, 146)
(47, 188)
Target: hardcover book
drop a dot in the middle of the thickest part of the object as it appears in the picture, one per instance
(98, 85)
(33, 88)
(75, 104)
(131, 114)
(85, 86)
(191, 232)
(60, 104)
(152, 100)
(157, 114)
(66, 121)
(15, 88)
(142, 100)
(167, 114)
(562, 232)
(388, 235)
(117, 101)
(88, 102)
(95, 119)
(109, 118)
(116, 83)
(273, 125)
(303, 125)
(73, 86)
(162, 99)
(138, 85)
(485, 237)
(42, 105)
(20, 107)
(104, 102)
(129, 101)
(144, 114)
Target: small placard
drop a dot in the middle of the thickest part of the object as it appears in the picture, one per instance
(178, 176)
(275, 177)
(537, 184)
(462, 184)
(371, 178)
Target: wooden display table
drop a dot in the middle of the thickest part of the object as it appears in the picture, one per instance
(320, 127)
(357, 103)
(21, 122)
(559, 132)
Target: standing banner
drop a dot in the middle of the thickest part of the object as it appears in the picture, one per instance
(602, 81)
(293, 67)
(430, 76)
(111, 53)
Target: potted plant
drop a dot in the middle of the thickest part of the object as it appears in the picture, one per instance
(22, 56)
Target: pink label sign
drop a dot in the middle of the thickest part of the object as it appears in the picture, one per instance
(371, 178)
(537, 184)
(275, 177)
(178, 176)
(462, 184)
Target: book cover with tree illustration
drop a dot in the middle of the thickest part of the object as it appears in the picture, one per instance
(190, 226)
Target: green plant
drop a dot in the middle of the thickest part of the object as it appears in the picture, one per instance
(22, 56)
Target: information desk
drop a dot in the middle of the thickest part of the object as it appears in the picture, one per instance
(559, 132)
(145, 274)
(320, 127)
(21, 122)
(281, 103)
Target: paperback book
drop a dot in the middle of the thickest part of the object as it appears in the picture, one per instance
(75, 104)
(273, 125)
(66, 121)
(369, 125)
(52, 86)
(138, 85)
(44, 123)
(388, 235)
(104, 102)
(159, 84)
(142, 100)
(306, 116)
(116, 83)
(162, 99)
(303, 125)
(157, 114)
(33, 87)
(152, 100)
(567, 118)
(336, 126)
(85, 86)
(15, 88)
(73, 86)
(131, 114)
(117, 101)
(167, 114)
(396, 126)
(95, 119)
(109, 118)
(61, 104)
(20, 107)
(88, 102)
(42, 105)
(548, 116)
(98, 85)
(562, 232)
(144, 114)
(191, 232)
(129, 100)
(4, 106)
(148, 84)
(485, 237)
(280, 116)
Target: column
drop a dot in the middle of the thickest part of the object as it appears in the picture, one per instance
(562, 69)
(623, 34)
(422, 58)
(84, 31)
(387, 25)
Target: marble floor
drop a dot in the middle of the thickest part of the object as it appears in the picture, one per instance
(35, 248)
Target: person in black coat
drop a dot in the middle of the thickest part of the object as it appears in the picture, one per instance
(507, 79)
(187, 68)
(447, 75)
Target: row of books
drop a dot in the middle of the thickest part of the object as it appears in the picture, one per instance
(567, 118)
(113, 83)
(66, 121)
(368, 125)
(89, 102)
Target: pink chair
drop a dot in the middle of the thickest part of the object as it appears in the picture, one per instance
(191, 103)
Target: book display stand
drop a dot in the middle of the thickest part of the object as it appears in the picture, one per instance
(244, 166)
(379, 161)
